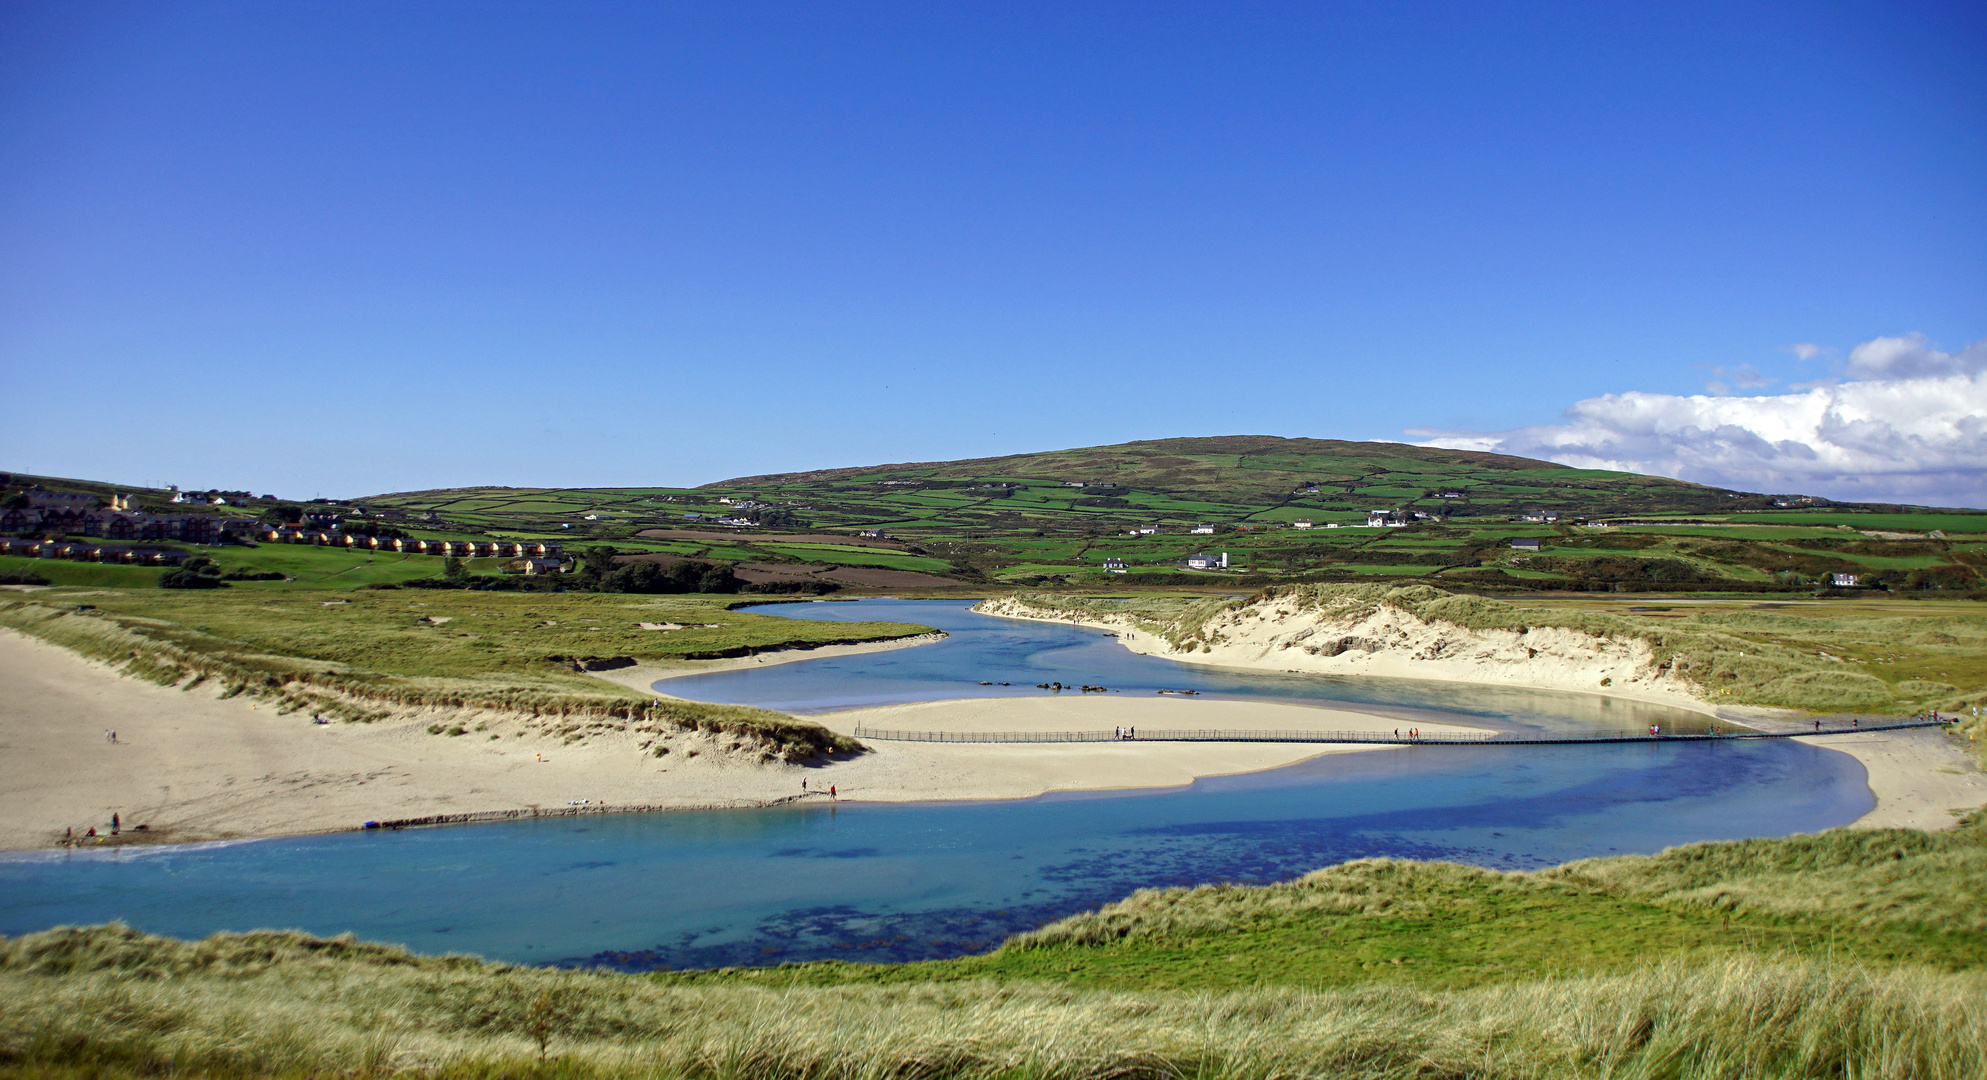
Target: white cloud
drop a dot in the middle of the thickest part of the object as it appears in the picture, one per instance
(1745, 377)
(1806, 351)
(1911, 356)
(1909, 426)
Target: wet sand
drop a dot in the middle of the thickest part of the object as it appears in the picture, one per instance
(195, 767)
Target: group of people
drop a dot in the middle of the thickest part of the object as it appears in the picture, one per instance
(70, 839)
(1412, 733)
(1127, 732)
(831, 787)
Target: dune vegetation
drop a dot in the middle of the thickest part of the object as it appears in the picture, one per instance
(1825, 657)
(1849, 953)
(362, 654)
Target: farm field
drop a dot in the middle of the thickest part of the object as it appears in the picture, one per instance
(1046, 520)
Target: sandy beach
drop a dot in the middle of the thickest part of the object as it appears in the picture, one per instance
(192, 766)
(1921, 779)
(643, 676)
(1265, 638)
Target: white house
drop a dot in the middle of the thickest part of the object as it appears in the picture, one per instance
(1202, 530)
(1114, 566)
(1526, 543)
(1301, 523)
(1207, 562)
(1842, 581)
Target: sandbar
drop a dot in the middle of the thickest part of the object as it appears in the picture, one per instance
(193, 766)
(1921, 779)
(919, 771)
(644, 676)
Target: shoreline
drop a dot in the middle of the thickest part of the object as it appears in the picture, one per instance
(211, 769)
(642, 677)
(194, 767)
(1920, 779)
(1145, 644)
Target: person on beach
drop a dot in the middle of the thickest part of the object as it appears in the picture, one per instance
(831, 791)
(1817, 727)
(116, 824)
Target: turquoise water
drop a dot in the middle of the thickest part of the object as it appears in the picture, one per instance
(982, 648)
(895, 882)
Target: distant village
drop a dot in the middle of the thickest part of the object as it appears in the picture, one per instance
(49, 525)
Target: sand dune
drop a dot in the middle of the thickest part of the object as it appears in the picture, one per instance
(195, 767)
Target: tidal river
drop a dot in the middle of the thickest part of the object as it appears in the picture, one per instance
(912, 881)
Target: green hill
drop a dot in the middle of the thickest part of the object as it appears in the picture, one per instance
(1242, 475)
(1145, 508)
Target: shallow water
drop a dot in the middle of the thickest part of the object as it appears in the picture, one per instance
(985, 648)
(895, 882)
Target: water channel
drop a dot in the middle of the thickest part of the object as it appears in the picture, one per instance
(910, 881)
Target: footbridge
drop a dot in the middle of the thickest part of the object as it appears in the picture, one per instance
(1245, 735)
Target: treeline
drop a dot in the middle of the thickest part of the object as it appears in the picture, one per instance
(600, 571)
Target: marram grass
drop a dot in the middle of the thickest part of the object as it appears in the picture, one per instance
(362, 658)
(108, 1001)
(1813, 658)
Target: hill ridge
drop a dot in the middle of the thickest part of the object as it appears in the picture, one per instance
(1241, 445)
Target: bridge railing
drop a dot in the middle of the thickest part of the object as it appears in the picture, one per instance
(1161, 735)
(1244, 735)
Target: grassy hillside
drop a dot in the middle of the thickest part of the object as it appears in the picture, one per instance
(1054, 518)
(1844, 954)
(352, 655)
(1256, 475)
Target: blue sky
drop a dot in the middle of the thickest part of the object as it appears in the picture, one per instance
(344, 248)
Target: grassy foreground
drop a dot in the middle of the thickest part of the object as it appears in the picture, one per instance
(1810, 1001)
